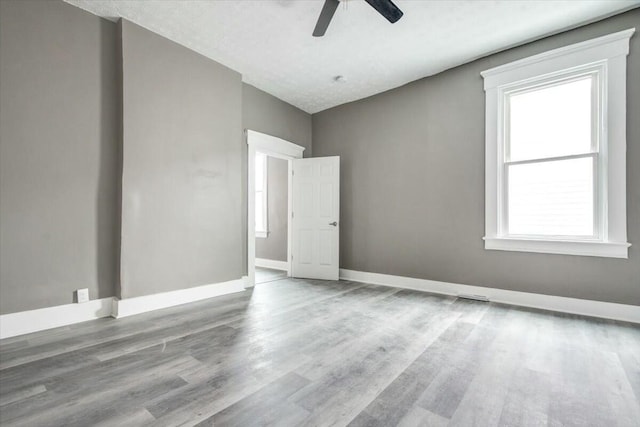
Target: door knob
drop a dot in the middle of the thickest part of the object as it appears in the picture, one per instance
(334, 223)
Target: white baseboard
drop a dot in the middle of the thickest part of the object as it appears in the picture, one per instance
(607, 310)
(130, 306)
(272, 263)
(25, 322)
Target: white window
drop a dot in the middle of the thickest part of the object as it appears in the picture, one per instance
(261, 195)
(556, 151)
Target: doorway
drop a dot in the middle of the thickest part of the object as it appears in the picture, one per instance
(271, 217)
(268, 150)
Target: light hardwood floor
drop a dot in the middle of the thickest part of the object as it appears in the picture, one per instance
(299, 352)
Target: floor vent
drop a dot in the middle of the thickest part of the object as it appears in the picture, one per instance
(474, 297)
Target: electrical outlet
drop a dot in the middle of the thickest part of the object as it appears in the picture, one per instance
(82, 295)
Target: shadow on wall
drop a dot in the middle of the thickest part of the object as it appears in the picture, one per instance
(108, 206)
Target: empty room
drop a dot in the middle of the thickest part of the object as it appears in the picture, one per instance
(320, 213)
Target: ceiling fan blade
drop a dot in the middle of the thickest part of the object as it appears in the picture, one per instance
(324, 19)
(387, 9)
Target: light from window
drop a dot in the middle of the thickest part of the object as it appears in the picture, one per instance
(551, 198)
(551, 121)
(261, 194)
(550, 159)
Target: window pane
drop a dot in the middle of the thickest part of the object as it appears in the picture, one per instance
(551, 121)
(551, 198)
(260, 211)
(260, 166)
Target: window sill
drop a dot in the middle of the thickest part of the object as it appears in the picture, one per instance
(262, 234)
(562, 247)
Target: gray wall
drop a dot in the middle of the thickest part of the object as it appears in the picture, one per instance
(412, 159)
(267, 114)
(58, 155)
(274, 246)
(412, 191)
(184, 201)
(181, 184)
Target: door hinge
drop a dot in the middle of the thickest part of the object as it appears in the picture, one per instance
(292, 215)
(292, 172)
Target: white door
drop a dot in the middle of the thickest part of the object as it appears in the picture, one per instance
(315, 224)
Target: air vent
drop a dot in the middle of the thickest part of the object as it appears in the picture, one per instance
(474, 297)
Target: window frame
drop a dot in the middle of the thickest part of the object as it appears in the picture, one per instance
(604, 59)
(597, 145)
(264, 232)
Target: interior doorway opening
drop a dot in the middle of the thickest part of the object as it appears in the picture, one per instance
(268, 152)
(271, 217)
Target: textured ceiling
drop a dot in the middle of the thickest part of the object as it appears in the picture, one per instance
(270, 42)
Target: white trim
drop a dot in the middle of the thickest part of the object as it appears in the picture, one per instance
(605, 56)
(275, 147)
(130, 306)
(563, 247)
(616, 44)
(289, 218)
(606, 310)
(26, 322)
(272, 264)
(265, 195)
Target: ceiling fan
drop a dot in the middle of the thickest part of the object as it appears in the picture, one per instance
(385, 8)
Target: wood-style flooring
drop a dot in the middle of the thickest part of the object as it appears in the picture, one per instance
(301, 352)
(264, 275)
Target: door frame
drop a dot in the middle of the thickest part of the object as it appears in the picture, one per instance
(281, 149)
